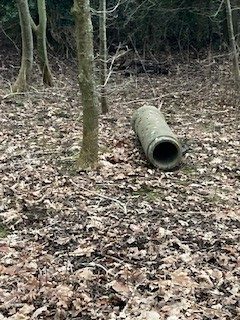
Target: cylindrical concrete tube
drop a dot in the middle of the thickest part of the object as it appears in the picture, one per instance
(159, 143)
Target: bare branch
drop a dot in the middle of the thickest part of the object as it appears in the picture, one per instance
(107, 11)
(3, 31)
(33, 24)
(123, 205)
(218, 10)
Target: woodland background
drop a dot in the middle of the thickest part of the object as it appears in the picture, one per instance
(153, 26)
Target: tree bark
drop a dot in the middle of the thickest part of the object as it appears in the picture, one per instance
(88, 157)
(103, 54)
(41, 44)
(21, 82)
(234, 52)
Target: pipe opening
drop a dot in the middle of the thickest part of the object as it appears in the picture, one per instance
(165, 153)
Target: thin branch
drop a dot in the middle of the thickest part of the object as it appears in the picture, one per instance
(218, 10)
(123, 205)
(163, 96)
(4, 32)
(96, 265)
(235, 8)
(12, 94)
(111, 66)
(33, 25)
(143, 66)
(109, 10)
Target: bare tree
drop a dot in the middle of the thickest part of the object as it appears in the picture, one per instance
(88, 157)
(103, 54)
(27, 25)
(234, 51)
(21, 82)
(40, 31)
(236, 19)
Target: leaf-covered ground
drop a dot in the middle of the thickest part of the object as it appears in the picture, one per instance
(126, 241)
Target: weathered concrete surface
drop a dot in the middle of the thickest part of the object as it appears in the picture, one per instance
(159, 143)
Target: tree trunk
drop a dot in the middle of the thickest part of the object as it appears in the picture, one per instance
(236, 19)
(234, 52)
(41, 44)
(21, 82)
(88, 156)
(103, 54)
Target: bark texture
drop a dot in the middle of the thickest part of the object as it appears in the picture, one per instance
(236, 19)
(21, 82)
(88, 156)
(103, 54)
(41, 43)
(234, 52)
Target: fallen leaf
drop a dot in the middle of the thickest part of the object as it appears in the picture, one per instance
(120, 288)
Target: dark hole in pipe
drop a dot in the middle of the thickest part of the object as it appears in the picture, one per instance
(165, 152)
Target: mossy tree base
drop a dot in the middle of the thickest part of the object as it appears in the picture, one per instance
(84, 162)
(47, 76)
(20, 84)
(88, 156)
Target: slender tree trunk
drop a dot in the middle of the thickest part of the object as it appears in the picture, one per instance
(21, 82)
(88, 156)
(103, 54)
(236, 19)
(234, 52)
(41, 44)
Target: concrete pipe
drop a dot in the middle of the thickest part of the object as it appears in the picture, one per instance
(159, 143)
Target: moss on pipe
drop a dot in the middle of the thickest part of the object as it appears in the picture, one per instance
(159, 143)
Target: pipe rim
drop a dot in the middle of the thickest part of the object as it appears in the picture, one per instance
(175, 153)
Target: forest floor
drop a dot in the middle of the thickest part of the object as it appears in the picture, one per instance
(126, 241)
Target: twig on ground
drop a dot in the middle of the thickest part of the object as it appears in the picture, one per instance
(164, 96)
(35, 92)
(96, 265)
(12, 94)
(123, 205)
